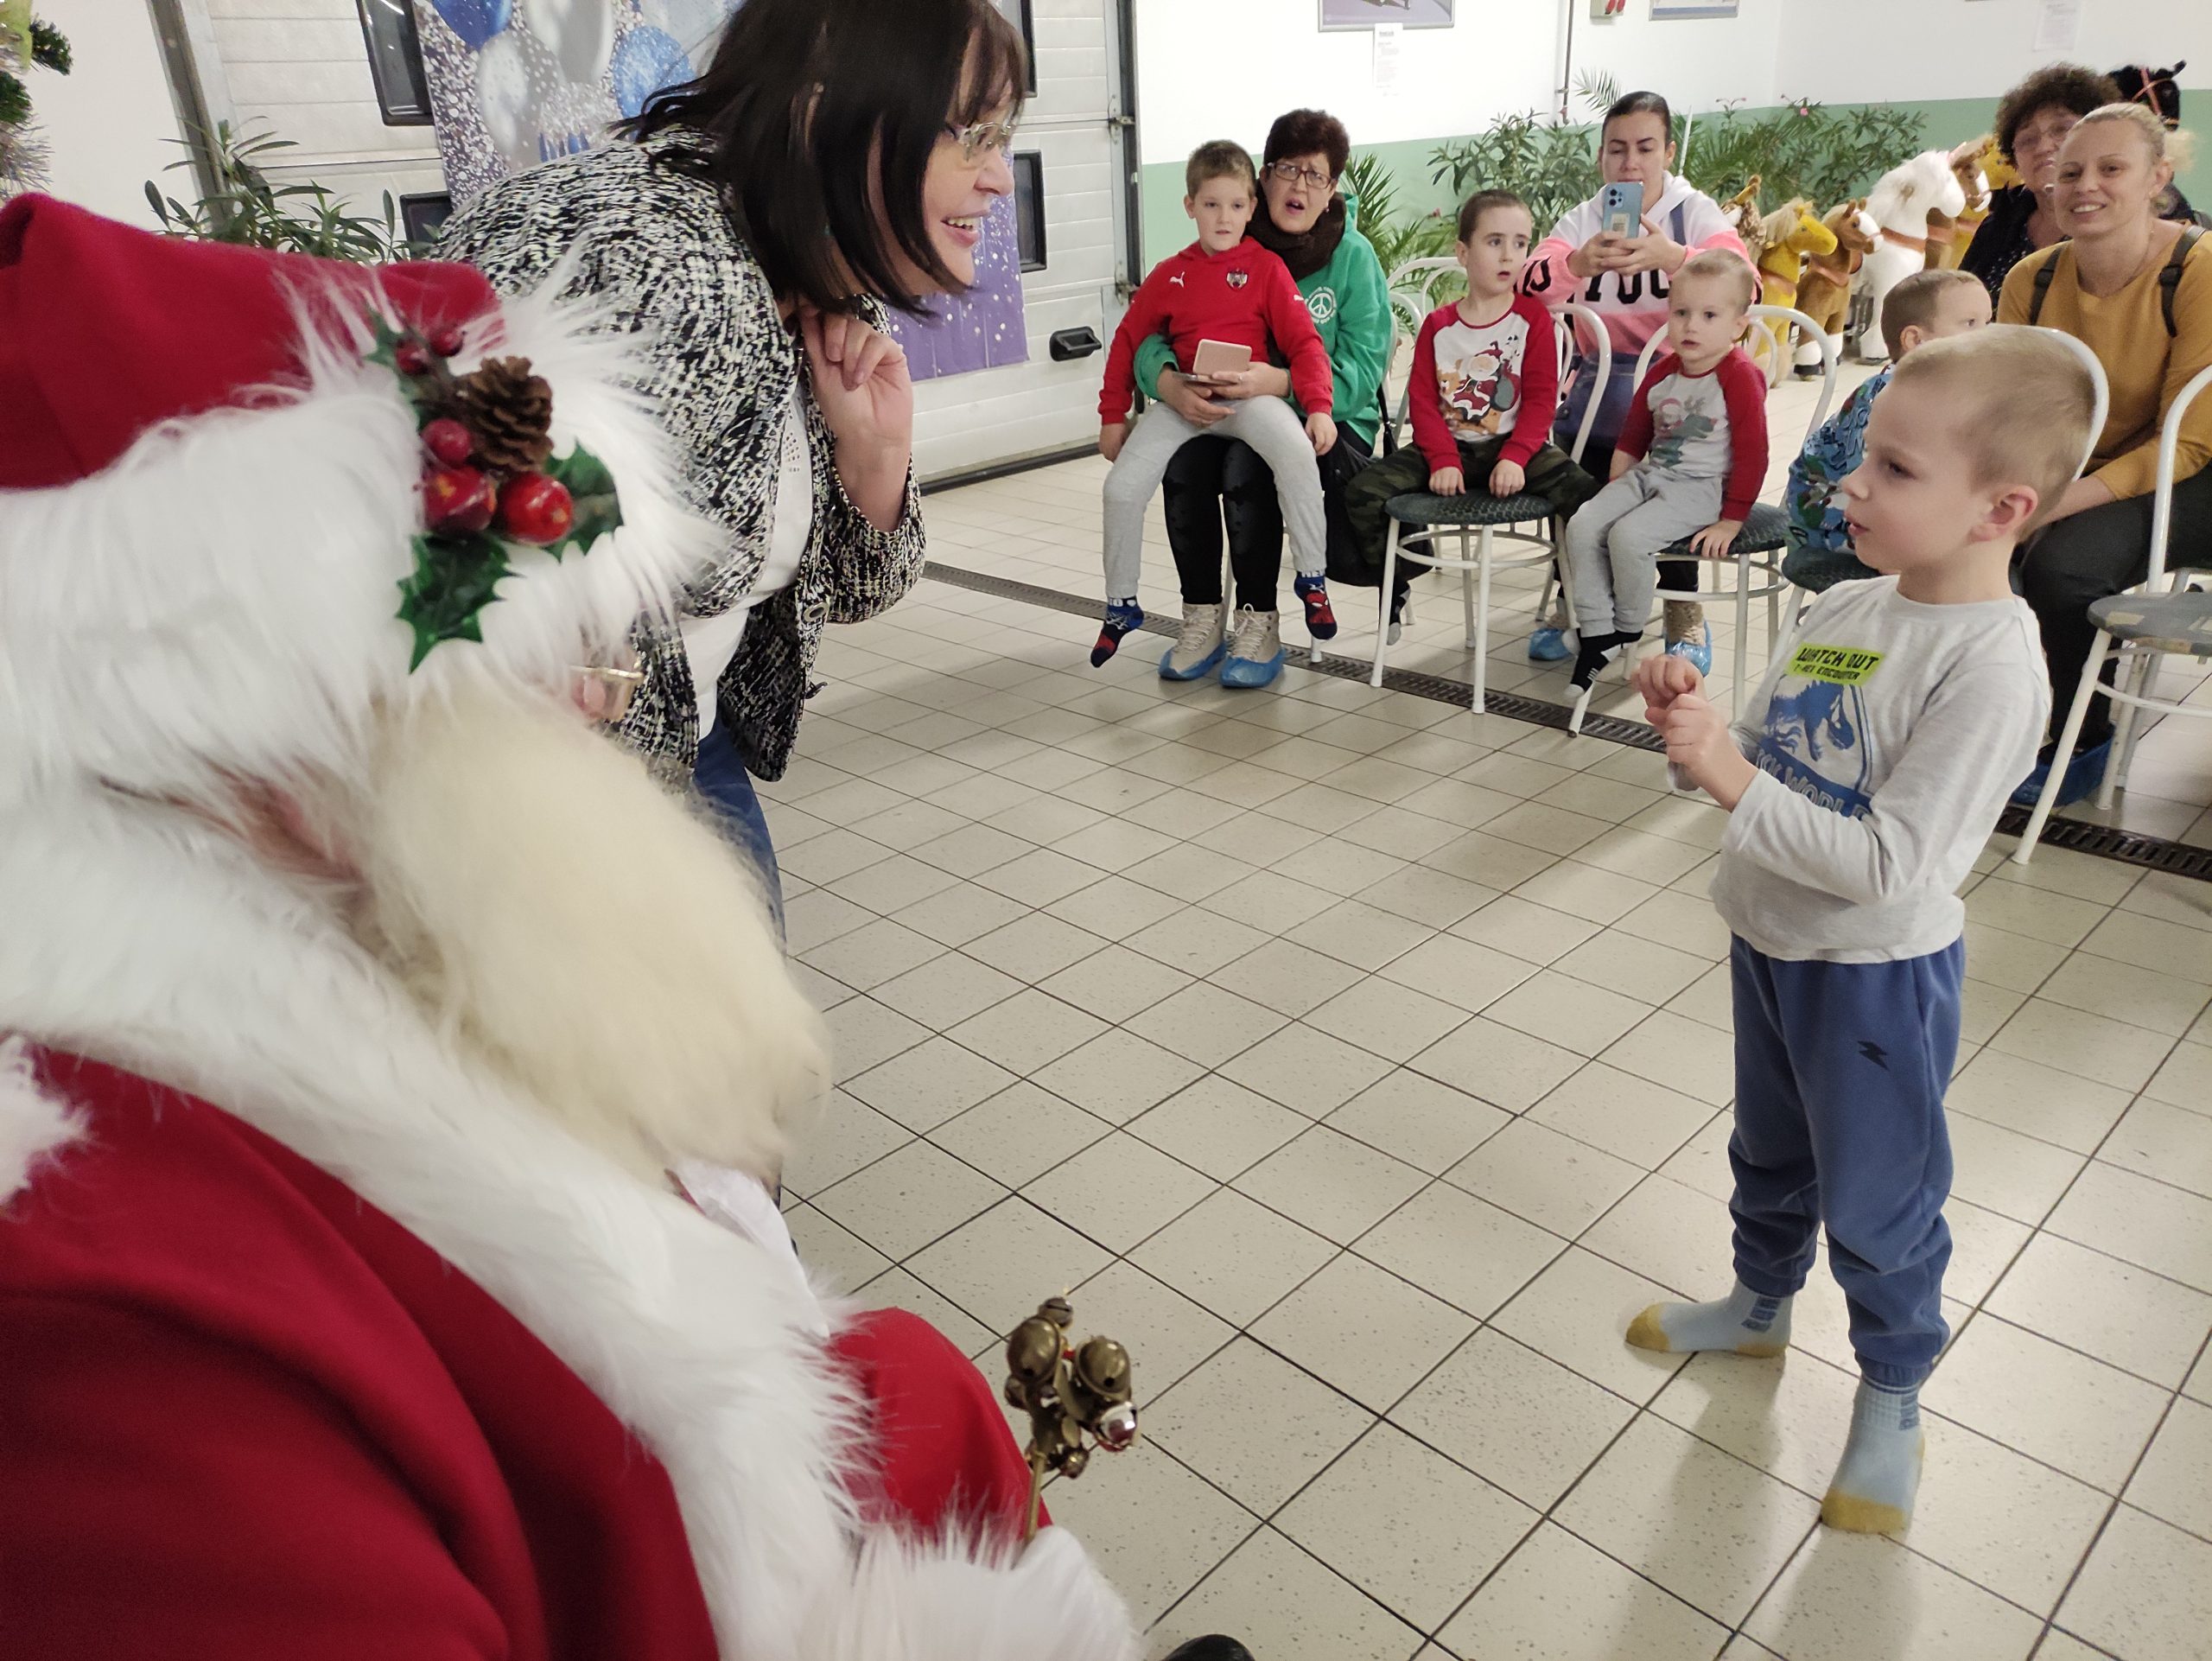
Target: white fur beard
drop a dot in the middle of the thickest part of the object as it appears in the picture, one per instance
(558, 911)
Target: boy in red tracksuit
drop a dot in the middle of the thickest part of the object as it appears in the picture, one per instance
(1221, 288)
(1483, 389)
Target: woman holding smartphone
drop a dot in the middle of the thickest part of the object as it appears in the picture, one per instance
(1617, 253)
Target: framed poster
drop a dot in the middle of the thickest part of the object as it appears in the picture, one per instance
(1665, 8)
(1407, 14)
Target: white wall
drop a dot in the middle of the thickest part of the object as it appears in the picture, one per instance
(106, 121)
(1227, 68)
(1921, 51)
(1697, 63)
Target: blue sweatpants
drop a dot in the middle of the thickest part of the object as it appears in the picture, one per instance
(1841, 1071)
(719, 776)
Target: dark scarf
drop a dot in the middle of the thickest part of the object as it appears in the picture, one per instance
(1307, 254)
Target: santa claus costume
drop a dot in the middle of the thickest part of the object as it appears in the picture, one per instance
(356, 997)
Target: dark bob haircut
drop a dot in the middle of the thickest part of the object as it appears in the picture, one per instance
(802, 95)
(1639, 103)
(1308, 132)
(2067, 85)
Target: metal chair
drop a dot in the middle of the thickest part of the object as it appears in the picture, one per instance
(1419, 519)
(1759, 545)
(2154, 618)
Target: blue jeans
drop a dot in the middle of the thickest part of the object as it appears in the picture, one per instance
(1841, 1071)
(722, 778)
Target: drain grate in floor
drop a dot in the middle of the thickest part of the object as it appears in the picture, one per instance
(2107, 842)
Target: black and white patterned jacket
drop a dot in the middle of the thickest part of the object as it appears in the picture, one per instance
(722, 365)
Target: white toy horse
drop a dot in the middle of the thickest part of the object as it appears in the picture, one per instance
(1900, 204)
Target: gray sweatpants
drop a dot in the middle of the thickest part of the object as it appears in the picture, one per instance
(1270, 426)
(1614, 537)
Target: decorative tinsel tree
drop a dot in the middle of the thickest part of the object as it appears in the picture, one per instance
(25, 43)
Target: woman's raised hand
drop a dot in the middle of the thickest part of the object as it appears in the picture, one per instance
(860, 385)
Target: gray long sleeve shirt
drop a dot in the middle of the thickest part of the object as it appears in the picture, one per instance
(1887, 734)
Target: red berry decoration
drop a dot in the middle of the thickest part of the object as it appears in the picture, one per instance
(450, 442)
(457, 500)
(412, 357)
(445, 342)
(534, 508)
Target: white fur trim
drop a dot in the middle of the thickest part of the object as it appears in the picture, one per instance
(225, 595)
(32, 1124)
(137, 939)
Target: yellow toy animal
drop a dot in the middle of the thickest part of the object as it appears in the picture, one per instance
(1742, 212)
(1824, 289)
(1789, 234)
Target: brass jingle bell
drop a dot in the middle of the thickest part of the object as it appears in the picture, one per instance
(1102, 1366)
(1033, 1350)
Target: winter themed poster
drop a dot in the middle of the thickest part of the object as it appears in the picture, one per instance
(516, 82)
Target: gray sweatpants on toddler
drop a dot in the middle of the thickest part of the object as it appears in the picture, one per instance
(1270, 426)
(1613, 540)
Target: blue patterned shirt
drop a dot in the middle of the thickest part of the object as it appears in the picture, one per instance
(1831, 455)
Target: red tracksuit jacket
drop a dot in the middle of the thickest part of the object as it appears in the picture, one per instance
(1245, 297)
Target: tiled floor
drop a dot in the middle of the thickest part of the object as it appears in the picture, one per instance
(1364, 1065)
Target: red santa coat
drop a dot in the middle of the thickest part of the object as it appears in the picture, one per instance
(243, 1413)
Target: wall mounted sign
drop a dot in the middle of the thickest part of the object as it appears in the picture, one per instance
(1407, 14)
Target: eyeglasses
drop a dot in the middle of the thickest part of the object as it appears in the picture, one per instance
(983, 136)
(1290, 173)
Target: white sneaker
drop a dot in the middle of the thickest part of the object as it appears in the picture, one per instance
(1197, 648)
(1255, 654)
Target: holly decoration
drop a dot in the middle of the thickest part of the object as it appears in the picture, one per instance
(490, 480)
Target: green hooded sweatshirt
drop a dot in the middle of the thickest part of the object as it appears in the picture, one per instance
(1350, 303)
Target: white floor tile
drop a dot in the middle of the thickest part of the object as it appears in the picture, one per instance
(1306, 1069)
(2089, 1420)
(1233, 1255)
(1578, 1311)
(2109, 1310)
(1846, 1596)
(849, 1134)
(2036, 1101)
(1119, 1190)
(1207, 1421)
(1631, 1118)
(1155, 1527)
(907, 1199)
(1429, 1125)
(1560, 1599)
(1028, 1031)
(1552, 1181)
(1168, 1335)
(1283, 1603)
(1001, 1265)
(2165, 1229)
(1708, 1527)
(2146, 1593)
(1498, 1064)
(1117, 1075)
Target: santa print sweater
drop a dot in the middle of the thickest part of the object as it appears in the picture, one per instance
(1490, 380)
(1244, 297)
(1698, 435)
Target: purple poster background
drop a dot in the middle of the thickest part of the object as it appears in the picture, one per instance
(983, 329)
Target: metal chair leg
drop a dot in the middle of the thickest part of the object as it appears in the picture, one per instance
(1390, 576)
(1478, 624)
(2127, 725)
(1742, 634)
(2055, 779)
(1467, 583)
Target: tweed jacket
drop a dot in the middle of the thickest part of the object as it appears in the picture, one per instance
(656, 241)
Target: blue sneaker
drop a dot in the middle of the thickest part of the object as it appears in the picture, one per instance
(1547, 642)
(1197, 648)
(1693, 643)
(2084, 774)
(1256, 654)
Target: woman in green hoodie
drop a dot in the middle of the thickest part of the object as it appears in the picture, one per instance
(1302, 218)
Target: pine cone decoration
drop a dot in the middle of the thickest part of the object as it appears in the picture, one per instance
(509, 411)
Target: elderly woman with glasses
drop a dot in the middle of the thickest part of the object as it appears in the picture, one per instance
(1302, 218)
(752, 225)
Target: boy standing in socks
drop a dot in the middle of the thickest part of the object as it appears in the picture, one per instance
(1690, 463)
(1226, 289)
(1484, 391)
(1862, 781)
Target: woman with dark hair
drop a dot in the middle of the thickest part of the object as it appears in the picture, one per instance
(1303, 218)
(2032, 121)
(833, 160)
(1625, 278)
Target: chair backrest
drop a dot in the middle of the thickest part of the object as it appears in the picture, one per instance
(1572, 358)
(2162, 502)
(1412, 290)
(2102, 406)
(1780, 325)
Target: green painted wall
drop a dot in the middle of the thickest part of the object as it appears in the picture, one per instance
(1947, 122)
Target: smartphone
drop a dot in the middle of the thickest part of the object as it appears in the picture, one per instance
(1214, 358)
(1620, 209)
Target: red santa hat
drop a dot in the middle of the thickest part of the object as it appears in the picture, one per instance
(242, 498)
